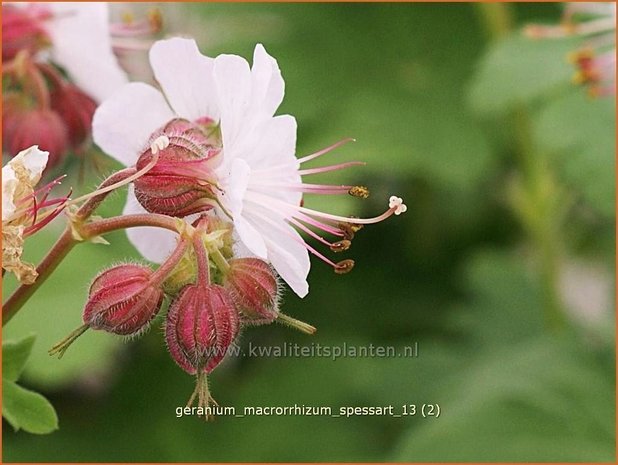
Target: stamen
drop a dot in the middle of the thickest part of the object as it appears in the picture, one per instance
(326, 150)
(344, 266)
(359, 191)
(348, 230)
(263, 200)
(318, 224)
(299, 240)
(133, 177)
(326, 169)
(324, 189)
(341, 246)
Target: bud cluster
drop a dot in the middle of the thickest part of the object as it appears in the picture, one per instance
(212, 296)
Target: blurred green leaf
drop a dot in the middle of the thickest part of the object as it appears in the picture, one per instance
(14, 356)
(27, 410)
(503, 305)
(546, 401)
(519, 69)
(580, 133)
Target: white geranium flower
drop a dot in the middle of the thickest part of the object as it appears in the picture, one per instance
(258, 176)
(78, 39)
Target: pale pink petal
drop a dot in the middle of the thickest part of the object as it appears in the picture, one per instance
(81, 44)
(123, 124)
(275, 147)
(233, 82)
(186, 77)
(286, 250)
(235, 190)
(154, 244)
(268, 86)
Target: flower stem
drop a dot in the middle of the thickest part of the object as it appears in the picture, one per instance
(537, 199)
(170, 263)
(106, 225)
(60, 249)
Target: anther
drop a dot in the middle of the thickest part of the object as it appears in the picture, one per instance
(359, 191)
(344, 266)
(341, 246)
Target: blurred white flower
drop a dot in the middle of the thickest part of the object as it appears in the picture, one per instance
(595, 23)
(587, 292)
(73, 35)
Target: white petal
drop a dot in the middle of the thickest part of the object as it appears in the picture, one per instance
(233, 82)
(268, 86)
(81, 44)
(273, 154)
(286, 251)
(274, 145)
(186, 77)
(233, 199)
(123, 124)
(154, 244)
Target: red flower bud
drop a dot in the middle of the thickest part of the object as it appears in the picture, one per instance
(201, 324)
(254, 288)
(22, 29)
(23, 128)
(182, 180)
(123, 300)
(76, 110)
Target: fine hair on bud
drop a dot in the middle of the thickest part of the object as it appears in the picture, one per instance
(182, 180)
(123, 300)
(201, 325)
(255, 290)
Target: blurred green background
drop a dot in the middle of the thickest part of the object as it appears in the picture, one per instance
(436, 102)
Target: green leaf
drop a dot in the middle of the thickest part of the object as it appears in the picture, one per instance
(14, 356)
(549, 400)
(27, 410)
(504, 304)
(519, 69)
(580, 133)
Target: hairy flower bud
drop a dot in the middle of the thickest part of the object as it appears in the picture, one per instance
(254, 288)
(43, 127)
(76, 109)
(122, 300)
(22, 29)
(201, 324)
(182, 180)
